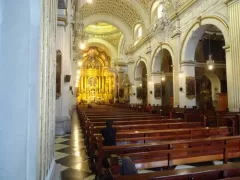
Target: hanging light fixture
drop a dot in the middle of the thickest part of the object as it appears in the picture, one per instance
(163, 77)
(210, 61)
(80, 33)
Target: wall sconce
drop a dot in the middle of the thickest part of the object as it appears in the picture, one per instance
(134, 94)
(181, 89)
(150, 92)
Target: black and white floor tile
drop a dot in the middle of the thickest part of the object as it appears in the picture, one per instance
(70, 153)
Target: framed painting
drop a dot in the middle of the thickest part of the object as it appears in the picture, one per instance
(139, 93)
(58, 73)
(190, 87)
(159, 90)
(121, 92)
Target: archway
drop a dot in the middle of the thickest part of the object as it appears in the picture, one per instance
(211, 80)
(163, 80)
(141, 76)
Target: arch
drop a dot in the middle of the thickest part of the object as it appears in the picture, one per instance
(196, 31)
(215, 81)
(98, 41)
(137, 70)
(157, 51)
(126, 31)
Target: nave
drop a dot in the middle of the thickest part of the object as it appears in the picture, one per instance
(146, 139)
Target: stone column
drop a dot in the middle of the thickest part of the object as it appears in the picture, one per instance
(120, 80)
(229, 77)
(234, 80)
(188, 69)
(27, 68)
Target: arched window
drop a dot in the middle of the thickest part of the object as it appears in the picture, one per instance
(160, 11)
(139, 32)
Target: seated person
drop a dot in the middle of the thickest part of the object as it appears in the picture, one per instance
(149, 108)
(106, 172)
(127, 166)
(109, 134)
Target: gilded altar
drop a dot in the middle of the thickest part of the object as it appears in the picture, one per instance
(96, 80)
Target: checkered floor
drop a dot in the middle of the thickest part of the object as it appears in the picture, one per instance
(70, 152)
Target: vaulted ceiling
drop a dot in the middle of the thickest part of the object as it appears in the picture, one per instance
(128, 11)
(117, 8)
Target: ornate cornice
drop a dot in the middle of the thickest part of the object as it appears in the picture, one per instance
(188, 63)
(184, 5)
(131, 49)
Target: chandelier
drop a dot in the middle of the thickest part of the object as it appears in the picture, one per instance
(210, 61)
(163, 23)
(81, 35)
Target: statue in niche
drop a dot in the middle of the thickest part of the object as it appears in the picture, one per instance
(58, 73)
(92, 81)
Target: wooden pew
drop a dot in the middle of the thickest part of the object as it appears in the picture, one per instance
(155, 126)
(224, 118)
(226, 171)
(176, 135)
(160, 135)
(170, 153)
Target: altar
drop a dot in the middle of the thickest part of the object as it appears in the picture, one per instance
(96, 79)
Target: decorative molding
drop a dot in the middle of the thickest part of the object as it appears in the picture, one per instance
(64, 20)
(184, 6)
(188, 63)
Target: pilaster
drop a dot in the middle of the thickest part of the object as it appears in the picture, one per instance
(234, 78)
(188, 72)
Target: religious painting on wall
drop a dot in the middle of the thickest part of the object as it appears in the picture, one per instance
(121, 92)
(190, 87)
(58, 73)
(157, 90)
(139, 93)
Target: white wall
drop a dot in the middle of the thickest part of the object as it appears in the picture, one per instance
(64, 44)
(20, 95)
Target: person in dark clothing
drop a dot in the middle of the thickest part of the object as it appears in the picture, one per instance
(127, 167)
(109, 134)
(106, 172)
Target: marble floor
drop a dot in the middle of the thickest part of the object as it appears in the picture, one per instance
(70, 152)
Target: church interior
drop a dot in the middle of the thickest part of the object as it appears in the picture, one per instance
(161, 77)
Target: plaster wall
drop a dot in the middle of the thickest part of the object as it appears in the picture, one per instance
(64, 44)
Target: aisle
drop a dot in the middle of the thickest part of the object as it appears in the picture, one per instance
(70, 153)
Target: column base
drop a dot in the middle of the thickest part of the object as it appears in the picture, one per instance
(63, 125)
(54, 172)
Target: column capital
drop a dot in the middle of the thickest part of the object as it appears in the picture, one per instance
(227, 48)
(229, 2)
